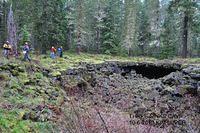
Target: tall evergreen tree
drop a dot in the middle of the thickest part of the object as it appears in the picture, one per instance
(169, 42)
(143, 33)
(153, 9)
(130, 25)
(110, 41)
(186, 8)
(4, 6)
(47, 28)
(70, 23)
(99, 16)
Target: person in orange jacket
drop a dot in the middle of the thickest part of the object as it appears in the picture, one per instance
(53, 52)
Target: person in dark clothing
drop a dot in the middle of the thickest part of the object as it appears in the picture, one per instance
(60, 51)
(26, 50)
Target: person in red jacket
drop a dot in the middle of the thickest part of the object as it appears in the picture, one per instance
(53, 52)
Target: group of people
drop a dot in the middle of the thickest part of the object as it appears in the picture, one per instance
(7, 48)
(59, 51)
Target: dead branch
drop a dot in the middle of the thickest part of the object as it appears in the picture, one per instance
(104, 123)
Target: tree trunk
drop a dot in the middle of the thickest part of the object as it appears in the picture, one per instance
(44, 40)
(3, 21)
(78, 47)
(79, 26)
(142, 49)
(98, 32)
(69, 39)
(12, 31)
(98, 41)
(198, 48)
(185, 36)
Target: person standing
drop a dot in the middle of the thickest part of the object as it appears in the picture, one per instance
(60, 51)
(6, 49)
(53, 52)
(5, 46)
(26, 50)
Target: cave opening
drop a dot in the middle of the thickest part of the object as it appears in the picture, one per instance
(150, 71)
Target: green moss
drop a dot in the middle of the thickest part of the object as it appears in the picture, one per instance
(21, 69)
(194, 60)
(11, 122)
(38, 75)
(14, 72)
(23, 78)
(4, 76)
(5, 67)
(55, 74)
(28, 91)
(14, 83)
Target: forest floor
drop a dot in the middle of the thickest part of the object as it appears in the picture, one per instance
(98, 93)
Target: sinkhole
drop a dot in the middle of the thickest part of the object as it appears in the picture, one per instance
(150, 71)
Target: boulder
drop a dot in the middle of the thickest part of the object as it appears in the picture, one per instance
(193, 72)
(174, 78)
(167, 90)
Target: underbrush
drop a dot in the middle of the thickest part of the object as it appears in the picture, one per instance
(11, 121)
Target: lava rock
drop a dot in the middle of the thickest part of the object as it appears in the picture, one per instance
(193, 72)
(186, 89)
(173, 79)
(140, 111)
(198, 88)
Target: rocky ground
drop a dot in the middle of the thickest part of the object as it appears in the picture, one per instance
(110, 97)
(129, 102)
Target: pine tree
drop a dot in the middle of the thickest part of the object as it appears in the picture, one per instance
(153, 12)
(25, 35)
(3, 20)
(186, 8)
(48, 23)
(143, 33)
(109, 34)
(69, 23)
(99, 17)
(130, 25)
(168, 37)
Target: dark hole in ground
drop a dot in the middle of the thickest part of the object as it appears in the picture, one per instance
(150, 71)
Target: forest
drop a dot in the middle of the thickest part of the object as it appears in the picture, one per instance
(154, 28)
(99, 66)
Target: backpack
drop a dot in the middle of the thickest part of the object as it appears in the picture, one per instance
(59, 49)
(5, 45)
(26, 48)
(53, 50)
